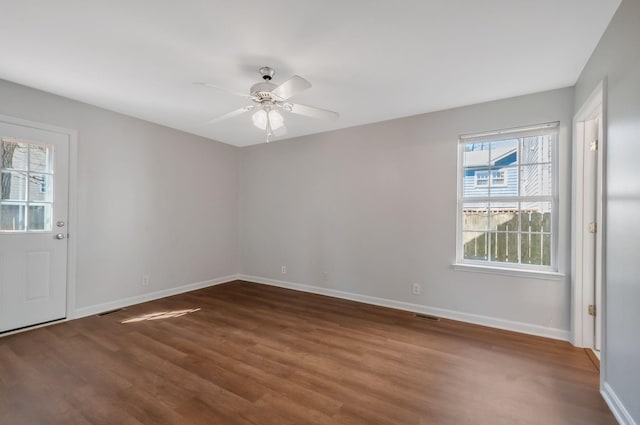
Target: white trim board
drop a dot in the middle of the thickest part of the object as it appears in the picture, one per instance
(476, 319)
(582, 325)
(616, 406)
(150, 296)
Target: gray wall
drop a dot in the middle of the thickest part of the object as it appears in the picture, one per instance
(371, 209)
(617, 58)
(151, 200)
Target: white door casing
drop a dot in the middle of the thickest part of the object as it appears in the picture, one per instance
(588, 197)
(599, 260)
(34, 219)
(589, 211)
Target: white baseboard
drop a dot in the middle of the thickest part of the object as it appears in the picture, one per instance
(616, 406)
(493, 322)
(125, 302)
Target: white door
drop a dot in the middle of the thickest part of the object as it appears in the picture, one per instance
(33, 225)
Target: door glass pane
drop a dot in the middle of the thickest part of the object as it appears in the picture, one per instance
(14, 155)
(40, 188)
(12, 217)
(40, 217)
(13, 186)
(40, 158)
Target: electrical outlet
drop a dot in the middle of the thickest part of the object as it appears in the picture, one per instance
(416, 289)
(145, 280)
(325, 277)
(283, 270)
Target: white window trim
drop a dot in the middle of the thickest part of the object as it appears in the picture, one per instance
(508, 271)
(510, 268)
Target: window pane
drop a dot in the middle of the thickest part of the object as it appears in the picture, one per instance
(504, 216)
(475, 216)
(535, 216)
(504, 247)
(13, 154)
(476, 183)
(40, 188)
(536, 180)
(546, 250)
(13, 186)
(504, 152)
(40, 217)
(536, 149)
(475, 245)
(504, 182)
(536, 249)
(40, 158)
(476, 154)
(12, 217)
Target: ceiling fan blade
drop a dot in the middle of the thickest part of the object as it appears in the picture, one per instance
(231, 114)
(310, 111)
(213, 86)
(291, 87)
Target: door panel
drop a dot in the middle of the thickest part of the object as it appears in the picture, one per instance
(33, 196)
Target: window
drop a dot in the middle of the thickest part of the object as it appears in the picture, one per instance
(507, 202)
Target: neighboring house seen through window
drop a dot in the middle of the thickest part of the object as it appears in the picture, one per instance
(498, 178)
(507, 202)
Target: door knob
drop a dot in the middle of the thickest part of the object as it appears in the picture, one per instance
(59, 236)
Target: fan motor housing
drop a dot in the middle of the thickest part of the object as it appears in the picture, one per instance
(262, 91)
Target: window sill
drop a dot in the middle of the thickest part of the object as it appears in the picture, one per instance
(533, 274)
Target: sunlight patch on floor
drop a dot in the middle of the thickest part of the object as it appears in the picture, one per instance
(161, 315)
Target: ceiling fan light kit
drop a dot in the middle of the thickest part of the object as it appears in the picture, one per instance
(270, 97)
(271, 119)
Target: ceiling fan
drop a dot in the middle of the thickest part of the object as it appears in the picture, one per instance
(269, 98)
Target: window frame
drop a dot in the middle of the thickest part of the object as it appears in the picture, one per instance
(552, 128)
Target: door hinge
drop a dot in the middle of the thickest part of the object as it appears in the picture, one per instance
(592, 310)
(594, 146)
(593, 227)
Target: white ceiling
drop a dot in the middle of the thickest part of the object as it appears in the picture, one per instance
(368, 60)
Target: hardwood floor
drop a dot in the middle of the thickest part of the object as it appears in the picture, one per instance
(255, 354)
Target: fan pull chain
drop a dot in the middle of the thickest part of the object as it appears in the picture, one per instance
(268, 126)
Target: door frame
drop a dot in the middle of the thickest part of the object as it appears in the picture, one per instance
(72, 200)
(594, 105)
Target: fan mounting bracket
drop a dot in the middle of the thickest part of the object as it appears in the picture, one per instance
(267, 73)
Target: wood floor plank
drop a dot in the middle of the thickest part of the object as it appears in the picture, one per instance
(249, 354)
